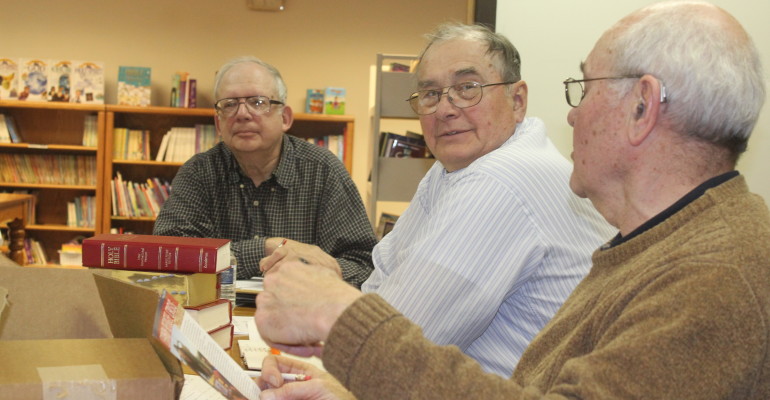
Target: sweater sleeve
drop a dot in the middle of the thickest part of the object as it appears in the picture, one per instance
(377, 353)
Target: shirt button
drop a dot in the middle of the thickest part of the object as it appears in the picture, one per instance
(272, 189)
(242, 186)
(256, 203)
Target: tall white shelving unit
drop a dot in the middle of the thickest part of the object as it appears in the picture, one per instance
(393, 179)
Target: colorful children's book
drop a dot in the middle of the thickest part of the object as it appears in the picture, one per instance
(87, 82)
(134, 86)
(59, 73)
(9, 78)
(34, 79)
(314, 102)
(334, 100)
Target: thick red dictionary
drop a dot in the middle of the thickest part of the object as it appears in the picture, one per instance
(156, 253)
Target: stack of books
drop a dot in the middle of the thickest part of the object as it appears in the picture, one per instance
(188, 269)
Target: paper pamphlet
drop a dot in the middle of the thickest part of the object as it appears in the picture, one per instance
(192, 345)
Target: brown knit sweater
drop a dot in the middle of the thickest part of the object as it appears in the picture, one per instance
(681, 311)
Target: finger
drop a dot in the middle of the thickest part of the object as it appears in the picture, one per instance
(302, 351)
(266, 263)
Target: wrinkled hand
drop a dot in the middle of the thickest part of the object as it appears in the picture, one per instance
(299, 305)
(320, 386)
(292, 250)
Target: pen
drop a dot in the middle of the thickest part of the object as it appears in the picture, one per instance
(286, 377)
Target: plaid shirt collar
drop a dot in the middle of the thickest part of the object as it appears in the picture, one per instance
(285, 175)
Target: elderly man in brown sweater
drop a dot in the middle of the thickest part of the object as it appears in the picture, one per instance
(677, 306)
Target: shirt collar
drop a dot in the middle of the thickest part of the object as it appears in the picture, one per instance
(284, 174)
(673, 209)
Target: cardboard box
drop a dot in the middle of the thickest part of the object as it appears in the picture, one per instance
(68, 330)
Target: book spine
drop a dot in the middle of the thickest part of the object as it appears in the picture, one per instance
(148, 256)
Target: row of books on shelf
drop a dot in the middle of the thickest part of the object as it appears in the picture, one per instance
(181, 143)
(131, 144)
(138, 199)
(56, 80)
(333, 143)
(34, 253)
(59, 169)
(81, 212)
(184, 90)
(9, 131)
(410, 144)
(135, 88)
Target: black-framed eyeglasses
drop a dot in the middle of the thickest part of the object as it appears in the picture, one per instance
(461, 95)
(573, 88)
(227, 107)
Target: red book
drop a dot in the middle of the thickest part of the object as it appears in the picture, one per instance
(223, 336)
(213, 315)
(156, 253)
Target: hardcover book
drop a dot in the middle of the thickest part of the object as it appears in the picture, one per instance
(9, 78)
(212, 315)
(156, 253)
(134, 86)
(189, 290)
(34, 79)
(334, 100)
(223, 336)
(87, 82)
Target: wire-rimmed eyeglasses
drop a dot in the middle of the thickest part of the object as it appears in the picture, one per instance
(573, 88)
(227, 107)
(461, 95)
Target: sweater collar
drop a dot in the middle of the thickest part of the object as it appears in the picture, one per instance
(673, 209)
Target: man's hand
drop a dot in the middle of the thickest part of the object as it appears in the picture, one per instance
(320, 386)
(289, 250)
(299, 305)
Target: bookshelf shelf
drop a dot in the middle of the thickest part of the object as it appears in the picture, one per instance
(48, 147)
(63, 228)
(21, 185)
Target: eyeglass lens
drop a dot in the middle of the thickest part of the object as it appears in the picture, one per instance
(257, 105)
(462, 95)
(574, 93)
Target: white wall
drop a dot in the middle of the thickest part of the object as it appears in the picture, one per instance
(554, 36)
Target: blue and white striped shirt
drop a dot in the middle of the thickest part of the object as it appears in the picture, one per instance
(484, 256)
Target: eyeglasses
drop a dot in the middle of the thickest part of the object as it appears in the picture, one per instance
(461, 95)
(255, 104)
(573, 88)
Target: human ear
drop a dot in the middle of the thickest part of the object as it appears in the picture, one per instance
(519, 92)
(647, 110)
(287, 118)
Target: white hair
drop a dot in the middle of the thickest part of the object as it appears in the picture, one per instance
(711, 70)
(279, 83)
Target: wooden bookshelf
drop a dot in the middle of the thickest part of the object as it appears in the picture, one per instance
(55, 129)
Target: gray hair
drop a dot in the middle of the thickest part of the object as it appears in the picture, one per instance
(280, 85)
(505, 57)
(713, 75)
